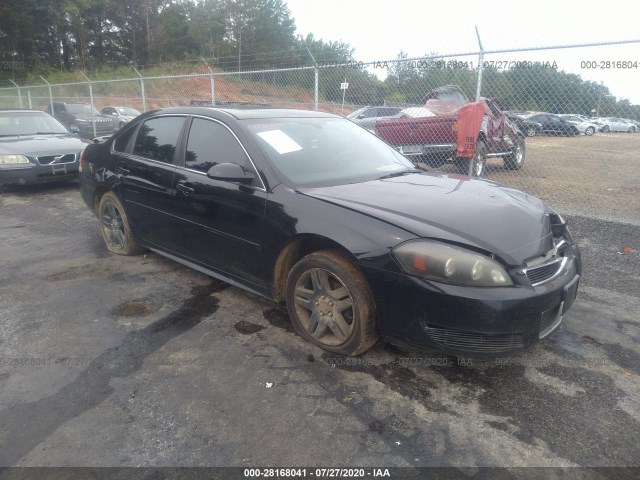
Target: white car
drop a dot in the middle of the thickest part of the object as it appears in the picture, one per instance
(614, 124)
(584, 124)
(120, 115)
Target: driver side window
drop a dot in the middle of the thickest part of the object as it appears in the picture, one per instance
(211, 143)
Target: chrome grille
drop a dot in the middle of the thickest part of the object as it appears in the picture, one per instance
(545, 272)
(57, 159)
(476, 342)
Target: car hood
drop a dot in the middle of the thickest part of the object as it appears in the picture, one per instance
(486, 215)
(39, 144)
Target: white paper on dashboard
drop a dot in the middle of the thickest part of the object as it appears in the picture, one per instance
(280, 141)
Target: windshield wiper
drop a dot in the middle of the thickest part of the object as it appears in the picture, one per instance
(399, 174)
(49, 133)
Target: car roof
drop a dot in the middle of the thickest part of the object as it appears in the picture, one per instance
(250, 113)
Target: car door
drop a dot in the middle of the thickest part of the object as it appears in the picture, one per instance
(221, 222)
(145, 178)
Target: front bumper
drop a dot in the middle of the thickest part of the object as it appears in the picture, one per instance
(102, 129)
(470, 321)
(33, 173)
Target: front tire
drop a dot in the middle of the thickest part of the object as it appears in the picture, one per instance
(531, 132)
(114, 226)
(330, 304)
(515, 160)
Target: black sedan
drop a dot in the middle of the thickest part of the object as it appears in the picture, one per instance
(528, 127)
(309, 209)
(552, 124)
(35, 147)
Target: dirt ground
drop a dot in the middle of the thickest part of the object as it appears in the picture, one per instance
(125, 362)
(596, 176)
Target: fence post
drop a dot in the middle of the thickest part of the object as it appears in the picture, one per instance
(144, 100)
(480, 66)
(29, 97)
(50, 93)
(19, 92)
(212, 82)
(478, 86)
(316, 75)
(93, 117)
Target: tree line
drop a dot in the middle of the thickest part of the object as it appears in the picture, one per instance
(37, 37)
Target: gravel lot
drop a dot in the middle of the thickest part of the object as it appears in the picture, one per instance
(113, 361)
(596, 176)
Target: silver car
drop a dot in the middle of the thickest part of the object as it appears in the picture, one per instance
(584, 124)
(614, 124)
(367, 117)
(120, 115)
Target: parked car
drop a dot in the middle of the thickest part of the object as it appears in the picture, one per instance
(614, 124)
(635, 123)
(35, 147)
(120, 116)
(528, 127)
(82, 116)
(366, 117)
(432, 136)
(584, 124)
(552, 124)
(309, 209)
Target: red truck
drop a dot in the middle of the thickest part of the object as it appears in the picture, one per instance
(429, 134)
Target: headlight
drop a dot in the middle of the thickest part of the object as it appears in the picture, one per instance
(449, 264)
(13, 159)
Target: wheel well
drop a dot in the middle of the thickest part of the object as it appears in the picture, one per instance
(293, 252)
(100, 191)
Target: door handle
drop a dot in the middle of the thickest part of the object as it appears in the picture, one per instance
(185, 188)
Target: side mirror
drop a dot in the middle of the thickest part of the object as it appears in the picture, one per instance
(361, 116)
(230, 172)
(74, 129)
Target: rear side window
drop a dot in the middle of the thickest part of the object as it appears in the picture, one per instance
(124, 140)
(157, 138)
(211, 143)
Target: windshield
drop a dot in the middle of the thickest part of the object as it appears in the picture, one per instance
(29, 123)
(128, 111)
(81, 108)
(314, 152)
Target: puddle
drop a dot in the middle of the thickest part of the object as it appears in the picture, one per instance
(376, 426)
(278, 317)
(247, 328)
(134, 308)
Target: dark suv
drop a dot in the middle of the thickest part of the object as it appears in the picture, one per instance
(81, 116)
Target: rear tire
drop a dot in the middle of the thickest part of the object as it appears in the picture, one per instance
(531, 132)
(115, 228)
(479, 161)
(589, 131)
(330, 304)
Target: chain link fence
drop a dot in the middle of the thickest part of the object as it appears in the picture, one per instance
(585, 163)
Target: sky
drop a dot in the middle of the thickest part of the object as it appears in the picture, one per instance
(380, 30)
